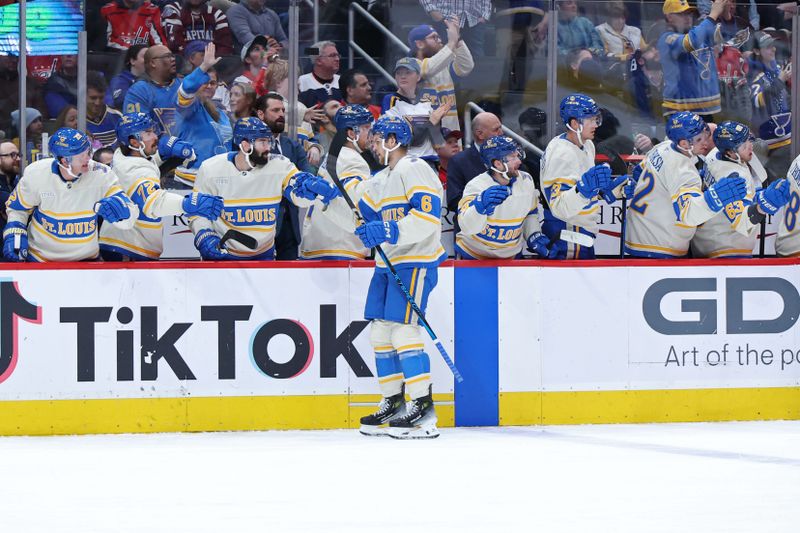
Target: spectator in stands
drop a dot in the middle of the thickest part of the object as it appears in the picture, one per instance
(436, 61)
(470, 15)
(356, 89)
(733, 87)
(533, 123)
(327, 127)
(271, 109)
(243, 101)
(466, 165)
(9, 91)
(68, 118)
(575, 32)
(196, 20)
(9, 175)
(704, 6)
(192, 56)
(620, 40)
(131, 22)
(157, 93)
(101, 120)
(201, 122)
(134, 68)
(255, 55)
(447, 151)
(322, 83)
(687, 57)
(104, 155)
(62, 87)
(730, 24)
(646, 83)
(250, 18)
(34, 126)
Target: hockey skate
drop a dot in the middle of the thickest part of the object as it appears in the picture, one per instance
(419, 421)
(389, 409)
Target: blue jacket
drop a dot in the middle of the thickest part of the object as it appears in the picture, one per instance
(118, 88)
(160, 102)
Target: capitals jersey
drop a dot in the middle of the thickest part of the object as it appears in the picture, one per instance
(62, 224)
(252, 200)
(159, 101)
(667, 205)
(787, 244)
(323, 240)
(141, 180)
(562, 165)
(126, 26)
(729, 233)
(502, 234)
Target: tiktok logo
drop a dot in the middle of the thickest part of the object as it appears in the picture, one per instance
(13, 306)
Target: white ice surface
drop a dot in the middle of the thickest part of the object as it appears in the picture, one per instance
(724, 477)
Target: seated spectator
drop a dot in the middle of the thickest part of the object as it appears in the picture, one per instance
(157, 93)
(104, 155)
(67, 118)
(9, 92)
(251, 18)
(471, 17)
(356, 89)
(255, 56)
(62, 87)
(438, 64)
(9, 175)
(34, 126)
(619, 39)
(101, 120)
(322, 83)
(131, 22)
(446, 151)
(243, 101)
(196, 20)
(119, 84)
(575, 32)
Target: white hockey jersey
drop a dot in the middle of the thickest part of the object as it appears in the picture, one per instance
(62, 224)
(409, 194)
(729, 233)
(437, 84)
(667, 205)
(323, 240)
(787, 243)
(503, 234)
(252, 200)
(140, 178)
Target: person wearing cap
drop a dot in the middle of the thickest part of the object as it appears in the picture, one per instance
(187, 21)
(157, 92)
(471, 16)
(436, 60)
(34, 126)
(408, 103)
(252, 17)
(322, 83)
(446, 151)
(255, 55)
(687, 55)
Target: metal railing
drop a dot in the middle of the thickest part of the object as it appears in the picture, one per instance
(472, 106)
(352, 46)
(314, 5)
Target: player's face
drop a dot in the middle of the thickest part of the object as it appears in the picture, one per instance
(745, 151)
(376, 146)
(261, 149)
(149, 141)
(702, 144)
(80, 163)
(363, 136)
(590, 126)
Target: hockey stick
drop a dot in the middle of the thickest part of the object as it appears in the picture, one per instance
(242, 238)
(330, 165)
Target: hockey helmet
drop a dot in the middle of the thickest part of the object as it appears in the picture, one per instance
(67, 142)
(685, 126)
(498, 147)
(352, 116)
(132, 125)
(580, 107)
(249, 129)
(385, 126)
(730, 135)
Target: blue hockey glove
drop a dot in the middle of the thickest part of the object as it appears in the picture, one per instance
(725, 191)
(170, 146)
(538, 243)
(774, 197)
(374, 233)
(597, 178)
(608, 194)
(112, 209)
(486, 202)
(15, 242)
(207, 243)
(203, 205)
(301, 182)
(323, 189)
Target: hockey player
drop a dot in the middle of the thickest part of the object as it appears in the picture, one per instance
(787, 243)
(732, 232)
(571, 181)
(252, 182)
(321, 239)
(499, 209)
(400, 205)
(52, 213)
(669, 203)
(136, 163)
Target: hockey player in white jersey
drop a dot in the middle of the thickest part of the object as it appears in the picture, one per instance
(571, 181)
(498, 212)
(252, 182)
(400, 205)
(669, 202)
(787, 243)
(733, 231)
(136, 163)
(321, 239)
(52, 213)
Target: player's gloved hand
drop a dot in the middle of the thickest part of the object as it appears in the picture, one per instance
(112, 209)
(774, 197)
(486, 202)
(557, 248)
(597, 178)
(171, 146)
(207, 243)
(301, 182)
(608, 194)
(325, 190)
(203, 205)
(725, 191)
(538, 243)
(15, 242)
(374, 233)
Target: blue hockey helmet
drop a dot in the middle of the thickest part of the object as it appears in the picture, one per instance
(385, 126)
(498, 147)
(730, 135)
(352, 116)
(67, 142)
(133, 124)
(685, 126)
(249, 129)
(580, 107)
